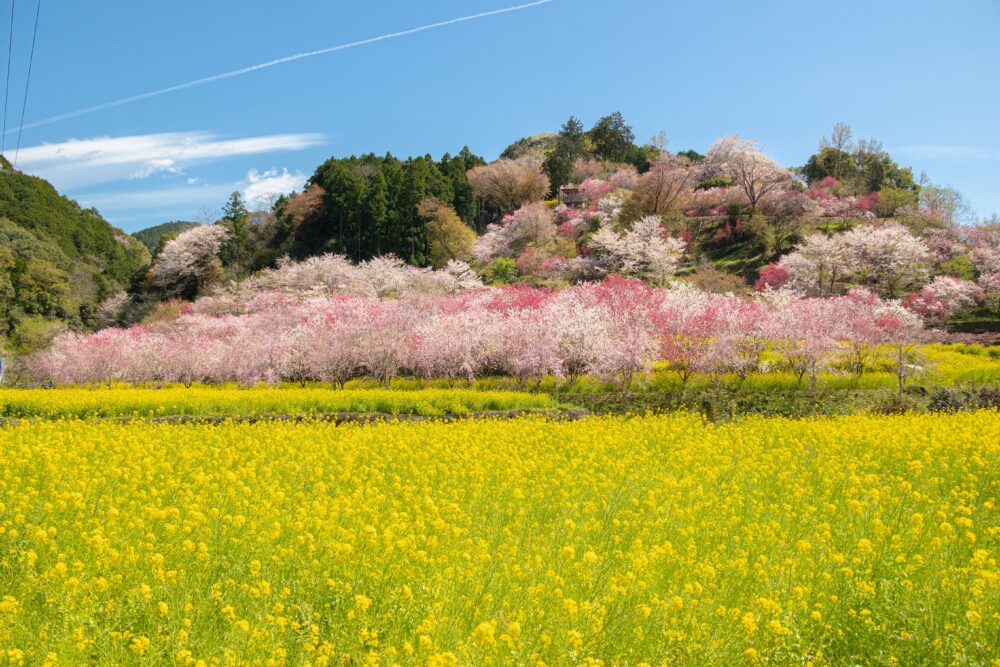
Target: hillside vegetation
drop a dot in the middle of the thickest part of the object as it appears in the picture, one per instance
(555, 209)
(579, 205)
(58, 261)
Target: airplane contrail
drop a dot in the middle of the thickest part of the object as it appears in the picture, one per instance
(271, 63)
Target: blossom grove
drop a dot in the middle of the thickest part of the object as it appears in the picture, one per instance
(615, 330)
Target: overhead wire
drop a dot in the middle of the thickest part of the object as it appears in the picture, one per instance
(278, 61)
(6, 91)
(27, 81)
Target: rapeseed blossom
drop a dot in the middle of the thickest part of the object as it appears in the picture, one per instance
(614, 540)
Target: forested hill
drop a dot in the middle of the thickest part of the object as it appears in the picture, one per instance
(368, 206)
(154, 236)
(58, 261)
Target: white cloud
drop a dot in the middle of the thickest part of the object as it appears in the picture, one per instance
(943, 151)
(259, 189)
(156, 166)
(83, 162)
(156, 199)
(262, 188)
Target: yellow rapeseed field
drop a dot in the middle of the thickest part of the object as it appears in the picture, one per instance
(614, 541)
(131, 401)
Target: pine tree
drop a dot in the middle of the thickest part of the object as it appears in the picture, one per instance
(570, 145)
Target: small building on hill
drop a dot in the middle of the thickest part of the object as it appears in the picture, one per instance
(571, 196)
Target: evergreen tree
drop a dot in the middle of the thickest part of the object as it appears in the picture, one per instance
(612, 138)
(377, 213)
(235, 208)
(236, 253)
(571, 145)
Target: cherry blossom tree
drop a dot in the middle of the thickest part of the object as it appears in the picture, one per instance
(644, 251)
(944, 297)
(771, 276)
(190, 261)
(815, 266)
(531, 225)
(685, 321)
(664, 187)
(885, 257)
(802, 332)
(755, 174)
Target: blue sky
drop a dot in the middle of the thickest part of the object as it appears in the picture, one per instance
(921, 77)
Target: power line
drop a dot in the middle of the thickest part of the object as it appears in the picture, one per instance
(6, 90)
(24, 103)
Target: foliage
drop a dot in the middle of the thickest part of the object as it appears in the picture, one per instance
(57, 261)
(364, 207)
(536, 146)
(501, 271)
(892, 200)
(712, 280)
(860, 167)
(612, 138)
(570, 145)
(82, 235)
(614, 540)
(448, 238)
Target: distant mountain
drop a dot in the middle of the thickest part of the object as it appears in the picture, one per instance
(58, 261)
(150, 236)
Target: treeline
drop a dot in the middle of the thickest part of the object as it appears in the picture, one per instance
(367, 206)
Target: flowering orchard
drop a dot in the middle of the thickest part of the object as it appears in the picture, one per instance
(614, 330)
(643, 541)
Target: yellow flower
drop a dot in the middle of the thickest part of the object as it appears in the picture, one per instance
(484, 633)
(774, 626)
(140, 644)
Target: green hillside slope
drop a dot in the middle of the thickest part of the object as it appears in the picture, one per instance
(58, 261)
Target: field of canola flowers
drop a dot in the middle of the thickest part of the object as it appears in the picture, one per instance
(614, 540)
(130, 401)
